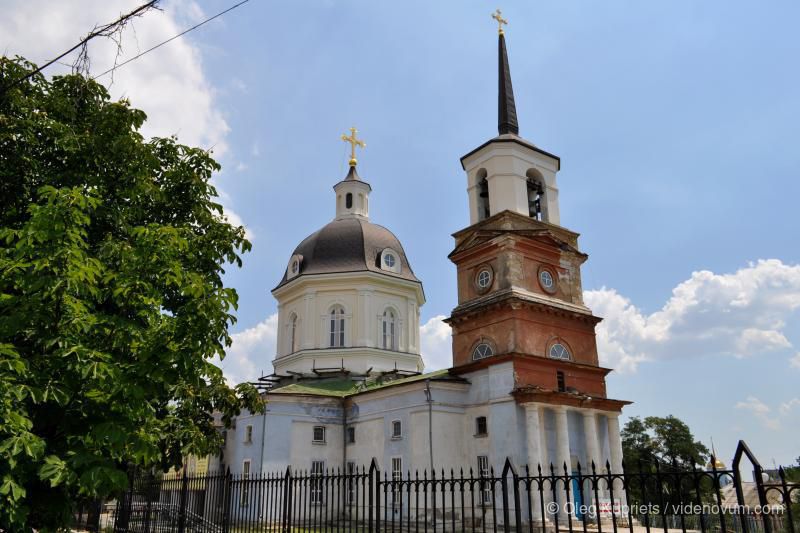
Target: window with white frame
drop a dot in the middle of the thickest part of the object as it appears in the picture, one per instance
(485, 473)
(389, 331)
(482, 351)
(559, 351)
(248, 434)
(336, 328)
(390, 260)
(317, 473)
(244, 501)
(319, 435)
(397, 429)
(397, 476)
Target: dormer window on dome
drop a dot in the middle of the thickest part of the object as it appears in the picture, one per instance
(294, 266)
(389, 260)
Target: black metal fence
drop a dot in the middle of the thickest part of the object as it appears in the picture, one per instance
(655, 498)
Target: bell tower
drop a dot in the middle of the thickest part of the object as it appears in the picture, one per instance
(519, 279)
(508, 173)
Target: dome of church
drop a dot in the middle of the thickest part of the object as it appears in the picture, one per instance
(350, 245)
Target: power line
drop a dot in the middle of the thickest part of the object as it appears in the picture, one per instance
(101, 31)
(115, 67)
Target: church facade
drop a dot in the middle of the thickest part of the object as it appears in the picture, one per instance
(349, 385)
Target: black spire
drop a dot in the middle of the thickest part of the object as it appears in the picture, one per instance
(506, 109)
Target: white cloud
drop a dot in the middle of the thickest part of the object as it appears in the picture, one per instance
(741, 315)
(252, 351)
(764, 413)
(436, 344)
(169, 84)
(786, 407)
(795, 361)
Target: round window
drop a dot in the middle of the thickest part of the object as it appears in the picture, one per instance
(547, 280)
(559, 351)
(484, 279)
(482, 351)
(295, 266)
(389, 260)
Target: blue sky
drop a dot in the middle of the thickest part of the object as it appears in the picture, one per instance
(677, 125)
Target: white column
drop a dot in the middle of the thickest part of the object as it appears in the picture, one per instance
(533, 429)
(361, 322)
(409, 326)
(307, 323)
(369, 331)
(562, 454)
(615, 450)
(592, 452)
(592, 447)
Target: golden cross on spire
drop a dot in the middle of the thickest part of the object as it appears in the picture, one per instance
(353, 143)
(500, 21)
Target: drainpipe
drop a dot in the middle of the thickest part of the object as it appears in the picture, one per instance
(263, 439)
(344, 436)
(344, 455)
(429, 399)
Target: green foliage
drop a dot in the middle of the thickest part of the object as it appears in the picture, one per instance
(662, 444)
(663, 440)
(112, 302)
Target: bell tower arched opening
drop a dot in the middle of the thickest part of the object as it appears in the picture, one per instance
(484, 207)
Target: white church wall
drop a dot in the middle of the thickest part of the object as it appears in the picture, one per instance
(370, 439)
(364, 298)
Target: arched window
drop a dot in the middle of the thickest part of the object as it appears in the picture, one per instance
(389, 330)
(482, 351)
(337, 327)
(535, 194)
(484, 209)
(559, 351)
(348, 200)
(293, 334)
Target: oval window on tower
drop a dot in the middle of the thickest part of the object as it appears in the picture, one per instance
(484, 278)
(547, 280)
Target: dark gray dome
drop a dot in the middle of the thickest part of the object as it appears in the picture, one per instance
(349, 245)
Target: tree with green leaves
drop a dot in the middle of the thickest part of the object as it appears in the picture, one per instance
(663, 440)
(112, 301)
(662, 444)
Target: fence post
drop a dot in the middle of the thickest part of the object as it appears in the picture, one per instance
(508, 467)
(149, 484)
(287, 500)
(374, 482)
(227, 497)
(184, 502)
(786, 494)
(123, 513)
(766, 518)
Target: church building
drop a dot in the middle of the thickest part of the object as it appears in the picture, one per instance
(349, 384)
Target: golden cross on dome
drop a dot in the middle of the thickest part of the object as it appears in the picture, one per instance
(500, 21)
(353, 143)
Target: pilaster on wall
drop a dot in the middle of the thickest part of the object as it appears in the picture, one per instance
(307, 324)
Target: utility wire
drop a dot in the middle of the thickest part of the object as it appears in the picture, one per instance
(137, 56)
(100, 31)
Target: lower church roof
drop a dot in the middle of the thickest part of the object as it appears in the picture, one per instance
(344, 387)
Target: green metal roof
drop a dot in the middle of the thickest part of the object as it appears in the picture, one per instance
(342, 388)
